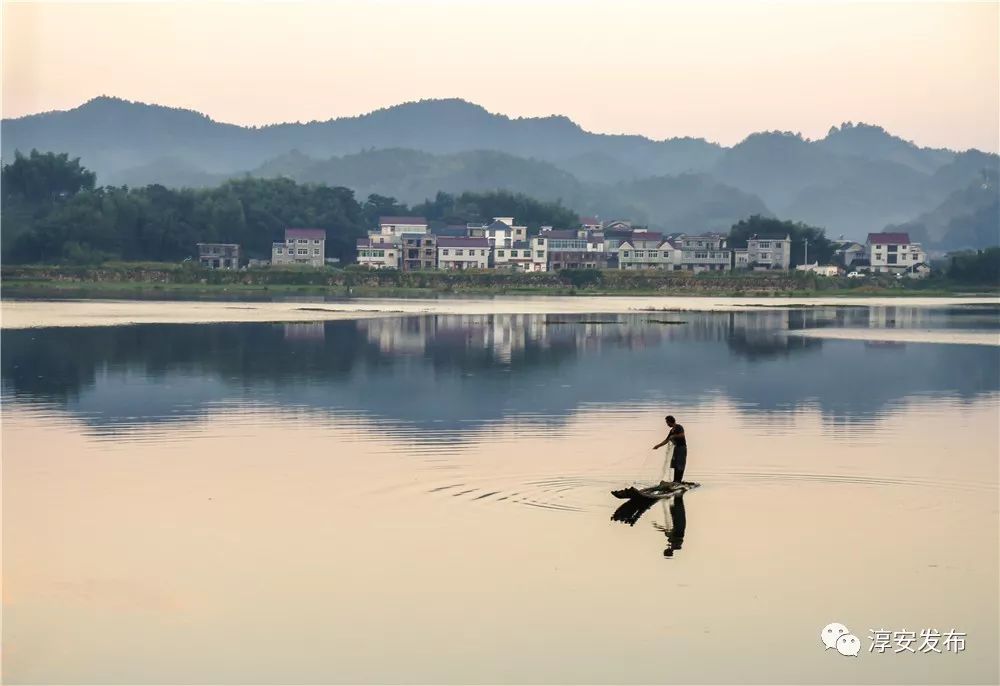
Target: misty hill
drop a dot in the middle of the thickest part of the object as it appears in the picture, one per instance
(684, 202)
(857, 179)
(115, 135)
(967, 218)
(875, 143)
(873, 179)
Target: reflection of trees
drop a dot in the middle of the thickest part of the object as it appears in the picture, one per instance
(450, 372)
(59, 363)
(763, 335)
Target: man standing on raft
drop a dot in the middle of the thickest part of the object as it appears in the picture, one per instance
(679, 459)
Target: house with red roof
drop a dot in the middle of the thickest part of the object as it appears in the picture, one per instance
(301, 246)
(894, 252)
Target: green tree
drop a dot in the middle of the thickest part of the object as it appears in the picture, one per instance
(821, 249)
(981, 267)
(44, 177)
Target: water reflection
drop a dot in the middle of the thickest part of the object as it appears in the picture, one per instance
(674, 524)
(674, 518)
(450, 373)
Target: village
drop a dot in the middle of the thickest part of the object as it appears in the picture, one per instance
(410, 244)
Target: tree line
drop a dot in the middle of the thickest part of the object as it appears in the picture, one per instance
(53, 212)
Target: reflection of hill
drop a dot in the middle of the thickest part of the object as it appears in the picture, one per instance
(447, 373)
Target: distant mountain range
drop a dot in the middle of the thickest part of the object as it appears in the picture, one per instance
(859, 178)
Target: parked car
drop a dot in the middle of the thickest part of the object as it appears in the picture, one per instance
(855, 275)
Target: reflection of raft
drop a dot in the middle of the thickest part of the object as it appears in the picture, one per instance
(655, 492)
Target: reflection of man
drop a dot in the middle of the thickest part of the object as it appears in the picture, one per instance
(675, 524)
(679, 459)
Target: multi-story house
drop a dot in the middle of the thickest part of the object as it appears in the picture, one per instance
(378, 254)
(516, 256)
(397, 226)
(769, 251)
(590, 224)
(613, 239)
(463, 253)
(707, 252)
(219, 255)
(539, 254)
(648, 251)
(418, 251)
(565, 240)
(893, 252)
(577, 259)
(502, 233)
(849, 252)
(301, 246)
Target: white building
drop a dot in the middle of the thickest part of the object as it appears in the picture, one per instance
(893, 252)
(301, 246)
(503, 233)
(397, 226)
(516, 256)
(821, 269)
(219, 255)
(848, 252)
(769, 251)
(648, 251)
(539, 254)
(463, 253)
(707, 252)
(376, 254)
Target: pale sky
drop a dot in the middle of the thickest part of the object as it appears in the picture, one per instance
(925, 71)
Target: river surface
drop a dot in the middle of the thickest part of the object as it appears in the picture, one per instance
(379, 494)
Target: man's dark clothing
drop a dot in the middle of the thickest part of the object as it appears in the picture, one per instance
(679, 459)
(680, 441)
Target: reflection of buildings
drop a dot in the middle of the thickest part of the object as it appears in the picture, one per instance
(503, 338)
(892, 317)
(305, 331)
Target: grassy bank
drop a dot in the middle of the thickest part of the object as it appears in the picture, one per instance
(154, 280)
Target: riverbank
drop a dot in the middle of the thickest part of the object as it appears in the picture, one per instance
(666, 311)
(172, 281)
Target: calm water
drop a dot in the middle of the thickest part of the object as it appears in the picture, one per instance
(425, 498)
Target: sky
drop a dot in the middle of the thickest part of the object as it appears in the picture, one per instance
(717, 70)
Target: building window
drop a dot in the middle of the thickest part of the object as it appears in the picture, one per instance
(315, 241)
(445, 251)
(500, 253)
(459, 252)
(303, 251)
(303, 240)
(280, 251)
(315, 251)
